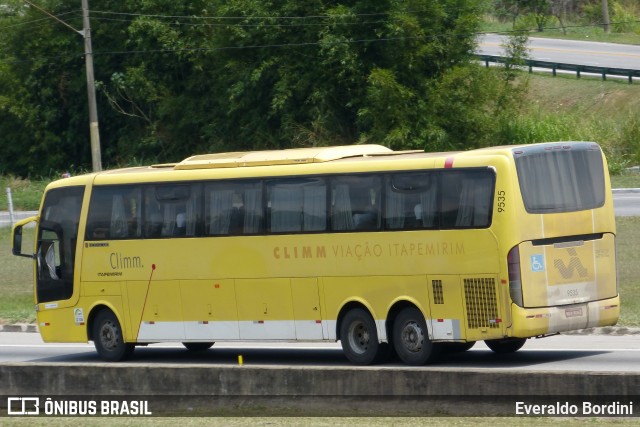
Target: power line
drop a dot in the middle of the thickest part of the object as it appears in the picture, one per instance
(260, 25)
(223, 17)
(41, 20)
(50, 15)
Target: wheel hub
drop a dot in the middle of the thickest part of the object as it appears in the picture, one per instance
(108, 336)
(412, 337)
(359, 337)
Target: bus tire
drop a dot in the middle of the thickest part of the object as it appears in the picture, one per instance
(505, 345)
(457, 347)
(108, 338)
(197, 346)
(411, 338)
(359, 338)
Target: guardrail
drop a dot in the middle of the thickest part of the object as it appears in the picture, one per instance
(555, 66)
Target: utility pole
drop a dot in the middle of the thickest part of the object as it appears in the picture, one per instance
(606, 22)
(96, 158)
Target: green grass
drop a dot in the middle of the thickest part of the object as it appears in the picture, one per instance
(629, 269)
(626, 180)
(25, 193)
(593, 34)
(565, 108)
(16, 281)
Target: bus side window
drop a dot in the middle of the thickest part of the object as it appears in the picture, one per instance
(411, 201)
(297, 205)
(466, 199)
(114, 213)
(355, 203)
(233, 208)
(172, 210)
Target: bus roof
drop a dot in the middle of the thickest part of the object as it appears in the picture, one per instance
(283, 157)
(338, 156)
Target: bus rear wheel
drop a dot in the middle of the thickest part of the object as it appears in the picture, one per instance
(457, 347)
(108, 339)
(505, 345)
(359, 338)
(197, 346)
(411, 338)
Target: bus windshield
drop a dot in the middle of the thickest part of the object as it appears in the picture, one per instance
(564, 178)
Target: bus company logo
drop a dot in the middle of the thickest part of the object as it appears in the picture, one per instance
(96, 245)
(567, 270)
(23, 406)
(119, 261)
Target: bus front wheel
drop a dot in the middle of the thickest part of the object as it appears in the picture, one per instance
(411, 338)
(108, 339)
(506, 345)
(359, 338)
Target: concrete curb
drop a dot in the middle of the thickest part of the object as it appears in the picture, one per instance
(19, 327)
(307, 391)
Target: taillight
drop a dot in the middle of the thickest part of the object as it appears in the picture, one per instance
(515, 283)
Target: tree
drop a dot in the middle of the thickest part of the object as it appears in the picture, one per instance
(177, 78)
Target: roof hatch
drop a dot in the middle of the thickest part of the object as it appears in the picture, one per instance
(281, 157)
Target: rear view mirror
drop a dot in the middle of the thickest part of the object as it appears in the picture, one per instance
(17, 238)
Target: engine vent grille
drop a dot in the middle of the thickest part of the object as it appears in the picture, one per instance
(438, 296)
(481, 303)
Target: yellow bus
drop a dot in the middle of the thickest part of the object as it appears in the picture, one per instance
(388, 252)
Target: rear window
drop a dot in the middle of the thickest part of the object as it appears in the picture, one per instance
(561, 178)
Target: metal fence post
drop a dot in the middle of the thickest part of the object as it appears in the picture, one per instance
(10, 205)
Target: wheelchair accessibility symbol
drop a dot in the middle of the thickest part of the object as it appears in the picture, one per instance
(537, 263)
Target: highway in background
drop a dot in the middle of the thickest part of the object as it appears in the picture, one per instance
(598, 54)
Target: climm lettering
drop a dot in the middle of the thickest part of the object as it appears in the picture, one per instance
(295, 252)
(119, 261)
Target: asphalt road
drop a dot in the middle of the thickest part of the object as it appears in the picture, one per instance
(569, 51)
(627, 203)
(586, 353)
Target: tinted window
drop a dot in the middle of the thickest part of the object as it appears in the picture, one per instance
(57, 239)
(561, 179)
(297, 205)
(459, 198)
(233, 208)
(171, 210)
(439, 199)
(411, 201)
(466, 198)
(136, 211)
(115, 212)
(355, 203)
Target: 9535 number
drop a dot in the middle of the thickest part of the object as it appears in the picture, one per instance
(501, 200)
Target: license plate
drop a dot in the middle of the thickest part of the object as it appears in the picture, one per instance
(573, 312)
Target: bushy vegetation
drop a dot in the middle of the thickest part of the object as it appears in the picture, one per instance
(179, 77)
(582, 17)
(182, 77)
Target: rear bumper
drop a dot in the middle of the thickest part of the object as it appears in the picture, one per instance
(530, 322)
